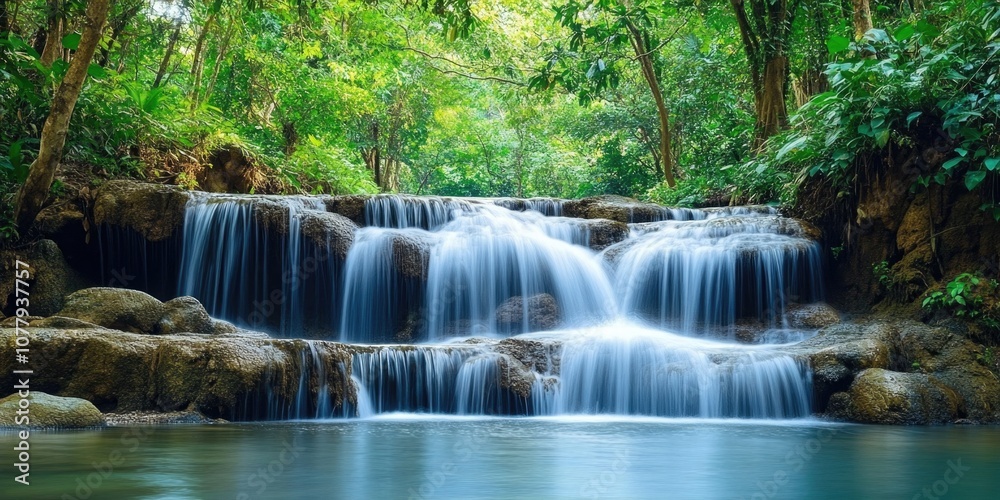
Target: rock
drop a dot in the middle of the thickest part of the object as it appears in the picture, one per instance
(541, 312)
(542, 357)
(352, 207)
(184, 314)
(12, 322)
(155, 211)
(604, 233)
(62, 322)
(47, 411)
(220, 327)
(328, 229)
(232, 377)
(159, 418)
(880, 396)
(915, 226)
(811, 316)
(60, 218)
(616, 208)
(411, 253)
(51, 277)
(116, 308)
(272, 215)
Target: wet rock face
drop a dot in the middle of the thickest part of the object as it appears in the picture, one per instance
(604, 233)
(47, 411)
(541, 312)
(117, 308)
(411, 255)
(155, 211)
(880, 396)
(900, 373)
(328, 229)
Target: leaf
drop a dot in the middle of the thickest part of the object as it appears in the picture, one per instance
(791, 146)
(991, 163)
(71, 41)
(837, 43)
(950, 164)
(973, 179)
(913, 116)
(904, 32)
(96, 71)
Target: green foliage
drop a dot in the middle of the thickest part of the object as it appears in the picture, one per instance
(968, 296)
(937, 71)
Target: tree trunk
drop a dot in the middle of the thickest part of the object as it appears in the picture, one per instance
(165, 63)
(118, 25)
(198, 65)
(53, 32)
(4, 18)
(862, 18)
(765, 33)
(35, 190)
(219, 58)
(645, 61)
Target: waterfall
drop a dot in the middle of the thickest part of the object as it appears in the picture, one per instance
(500, 306)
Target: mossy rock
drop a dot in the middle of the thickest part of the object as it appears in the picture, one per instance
(155, 211)
(48, 411)
(880, 396)
(116, 308)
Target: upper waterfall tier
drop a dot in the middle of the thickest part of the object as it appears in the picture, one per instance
(428, 268)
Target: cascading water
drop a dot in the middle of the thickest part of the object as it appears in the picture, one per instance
(620, 326)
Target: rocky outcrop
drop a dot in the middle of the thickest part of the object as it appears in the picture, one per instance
(616, 208)
(351, 206)
(233, 376)
(155, 211)
(900, 373)
(47, 411)
(604, 233)
(51, 277)
(541, 312)
(880, 396)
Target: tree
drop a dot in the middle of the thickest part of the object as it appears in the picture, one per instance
(862, 18)
(765, 28)
(597, 42)
(35, 190)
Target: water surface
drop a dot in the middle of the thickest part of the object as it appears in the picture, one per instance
(412, 456)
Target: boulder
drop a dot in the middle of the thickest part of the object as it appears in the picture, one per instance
(116, 308)
(811, 316)
(352, 207)
(328, 229)
(155, 211)
(541, 311)
(604, 233)
(411, 253)
(617, 208)
(880, 396)
(184, 314)
(47, 411)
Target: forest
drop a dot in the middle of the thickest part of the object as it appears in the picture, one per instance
(680, 102)
(500, 248)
